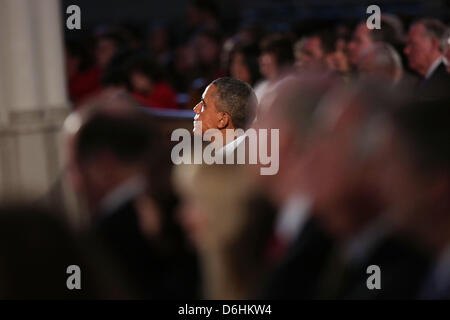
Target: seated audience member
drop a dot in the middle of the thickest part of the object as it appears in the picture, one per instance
(424, 52)
(416, 183)
(207, 45)
(228, 223)
(83, 77)
(227, 104)
(36, 251)
(298, 247)
(244, 63)
(275, 64)
(111, 147)
(363, 38)
(107, 46)
(320, 51)
(147, 84)
(381, 61)
(340, 180)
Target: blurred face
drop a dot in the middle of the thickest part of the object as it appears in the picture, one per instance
(140, 83)
(336, 178)
(159, 40)
(338, 61)
(104, 52)
(185, 58)
(207, 49)
(312, 52)
(420, 49)
(404, 188)
(205, 112)
(268, 66)
(360, 41)
(239, 69)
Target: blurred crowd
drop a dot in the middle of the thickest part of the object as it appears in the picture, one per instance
(363, 179)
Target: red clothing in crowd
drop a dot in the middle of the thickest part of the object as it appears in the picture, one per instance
(84, 84)
(162, 96)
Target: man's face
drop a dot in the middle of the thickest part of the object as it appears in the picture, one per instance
(206, 114)
(418, 48)
(403, 188)
(360, 42)
(312, 52)
(105, 51)
(268, 66)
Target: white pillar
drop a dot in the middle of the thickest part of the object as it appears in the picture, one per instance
(33, 98)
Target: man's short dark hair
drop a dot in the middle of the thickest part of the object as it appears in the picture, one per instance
(387, 33)
(128, 137)
(281, 47)
(236, 98)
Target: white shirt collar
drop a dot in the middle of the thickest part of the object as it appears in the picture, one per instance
(292, 217)
(360, 247)
(233, 145)
(124, 192)
(433, 67)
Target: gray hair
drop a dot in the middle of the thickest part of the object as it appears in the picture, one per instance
(385, 57)
(236, 98)
(433, 27)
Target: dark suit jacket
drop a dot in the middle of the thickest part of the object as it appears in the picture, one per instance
(298, 275)
(152, 270)
(402, 271)
(437, 86)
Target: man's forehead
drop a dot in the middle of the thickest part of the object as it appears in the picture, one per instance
(208, 89)
(417, 30)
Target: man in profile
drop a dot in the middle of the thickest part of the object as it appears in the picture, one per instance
(425, 56)
(226, 104)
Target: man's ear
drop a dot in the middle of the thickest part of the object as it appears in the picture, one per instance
(436, 44)
(224, 120)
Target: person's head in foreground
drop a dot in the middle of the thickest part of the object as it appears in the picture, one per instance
(416, 178)
(381, 61)
(107, 145)
(338, 176)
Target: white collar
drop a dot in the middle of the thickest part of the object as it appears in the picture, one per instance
(433, 67)
(122, 193)
(233, 145)
(360, 247)
(292, 217)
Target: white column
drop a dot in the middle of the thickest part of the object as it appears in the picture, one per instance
(33, 99)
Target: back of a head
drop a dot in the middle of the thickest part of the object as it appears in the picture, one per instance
(236, 98)
(298, 99)
(127, 136)
(388, 33)
(281, 47)
(381, 60)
